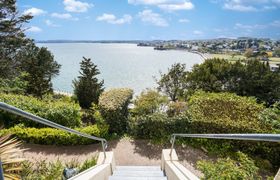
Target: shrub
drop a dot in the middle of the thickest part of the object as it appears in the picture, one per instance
(225, 113)
(271, 116)
(64, 113)
(149, 102)
(229, 113)
(51, 136)
(158, 126)
(176, 108)
(242, 167)
(52, 170)
(113, 106)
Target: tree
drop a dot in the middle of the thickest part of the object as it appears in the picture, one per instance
(249, 53)
(12, 37)
(149, 102)
(40, 66)
(249, 78)
(173, 83)
(87, 88)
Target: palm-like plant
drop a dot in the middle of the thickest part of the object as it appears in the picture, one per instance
(10, 157)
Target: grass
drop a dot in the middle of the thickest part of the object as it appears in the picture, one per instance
(240, 57)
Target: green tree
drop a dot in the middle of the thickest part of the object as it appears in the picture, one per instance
(86, 87)
(249, 78)
(173, 82)
(40, 66)
(149, 102)
(12, 37)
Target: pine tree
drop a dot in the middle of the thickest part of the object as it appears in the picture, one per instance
(87, 88)
(12, 37)
(40, 66)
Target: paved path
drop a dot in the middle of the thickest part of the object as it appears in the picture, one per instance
(127, 152)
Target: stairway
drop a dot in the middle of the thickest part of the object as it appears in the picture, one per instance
(138, 173)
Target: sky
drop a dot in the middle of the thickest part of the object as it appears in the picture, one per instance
(151, 19)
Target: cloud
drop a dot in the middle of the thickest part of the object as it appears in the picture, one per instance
(76, 6)
(199, 33)
(34, 29)
(34, 12)
(249, 27)
(50, 23)
(239, 7)
(167, 5)
(176, 7)
(148, 16)
(250, 5)
(183, 20)
(64, 16)
(112, 19)
(275, 23)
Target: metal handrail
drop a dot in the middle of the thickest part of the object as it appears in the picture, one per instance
(35, 118)
(252, 137)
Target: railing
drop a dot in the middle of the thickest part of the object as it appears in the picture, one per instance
(32, 117)
(252, 137)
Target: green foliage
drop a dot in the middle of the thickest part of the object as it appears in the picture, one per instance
(113, 106)
(176, 108)
(88, 164)
(12, 38)
(51, 136)
(158, 126)
(40, 66)
(241, 167)
(16, 85)
(271, 116)
(252, 78)
(87, 89)
(44, 170)
(64, 113)
(173, 82)
(225, 113)
(149, 102)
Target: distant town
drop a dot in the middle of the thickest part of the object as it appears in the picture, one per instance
(212, 46)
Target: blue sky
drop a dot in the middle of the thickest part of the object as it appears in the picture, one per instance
(151, 19)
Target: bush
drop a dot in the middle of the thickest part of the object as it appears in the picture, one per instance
(51, 136)
(271, 116)
(229, 113)
(225, 113)
(159, 127)
(149, 102)
(113, 106)
(64, 113)
(242, 167)
(52, 170)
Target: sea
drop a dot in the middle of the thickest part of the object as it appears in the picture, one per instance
(120, 65)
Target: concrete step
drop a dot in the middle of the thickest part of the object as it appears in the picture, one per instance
(136, 178)
(138, 168)
(138, 173)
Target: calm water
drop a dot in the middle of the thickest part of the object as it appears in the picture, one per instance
(121, 65)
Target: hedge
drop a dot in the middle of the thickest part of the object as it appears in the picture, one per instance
(51, 136)
(65, 113)
(158, 126)
(113, 106)
(225, 113)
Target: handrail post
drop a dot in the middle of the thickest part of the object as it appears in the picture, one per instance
(1, 171)
(104, 144)
(172, 140)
